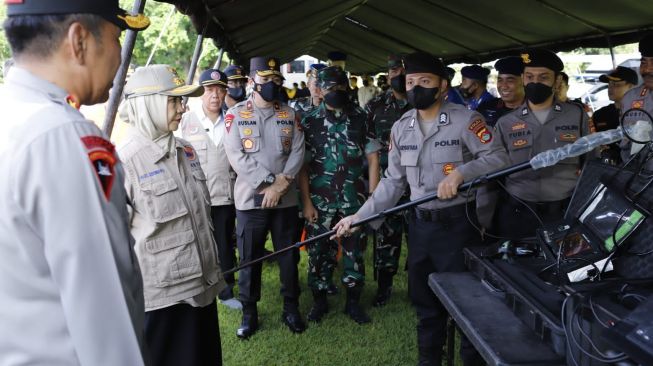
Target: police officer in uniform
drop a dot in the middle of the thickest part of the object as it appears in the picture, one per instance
(434, 147)
(70, 286)
(170, 220)
(540, 124)
(266, 149)
(204, 129)
(640, 97)
(510, 88)
(382, 113)
(338, 140)
(236, 83)
(473, 86)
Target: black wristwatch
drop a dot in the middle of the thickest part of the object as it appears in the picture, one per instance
(270, 178)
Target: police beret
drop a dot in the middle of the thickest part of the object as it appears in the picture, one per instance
(619, 74)
(542, 58)
(475, 72)
(235, 72)
(331, 76)
(213, 77)
(337, 56)
(512, 65)
(646, 46)
(394, 61)
(265, 66)
(107, 9)
(419, 62)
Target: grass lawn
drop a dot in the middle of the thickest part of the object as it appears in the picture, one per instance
(389, 340)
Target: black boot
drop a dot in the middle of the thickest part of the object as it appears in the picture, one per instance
(430, 341)
(353, 308)
(291, 317)
(249, 325)
(384, 290)
(320, 306)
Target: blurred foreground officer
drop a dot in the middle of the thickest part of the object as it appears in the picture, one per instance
(338, 140)
(540, 124)
(510, 88)
(204, 129)
(382, 112)
(266, 149)
(640, 97)
(170, 220)
(474, 85)
(433, 149)
(236, 83)
(70, 288)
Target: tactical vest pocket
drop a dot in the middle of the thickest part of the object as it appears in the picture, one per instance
(202, 151)
(174, 258)
(200, 179)
(163, 200)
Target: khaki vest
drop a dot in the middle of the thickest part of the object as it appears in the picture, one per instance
(170, 221)
(220, 176)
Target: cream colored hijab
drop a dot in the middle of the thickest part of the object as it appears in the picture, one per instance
(148, 115)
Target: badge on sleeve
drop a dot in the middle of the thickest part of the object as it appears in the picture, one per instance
(228, 120)
(479, 128)
(190, 153)
(103, 159)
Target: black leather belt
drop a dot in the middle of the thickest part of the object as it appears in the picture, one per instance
(442, 214)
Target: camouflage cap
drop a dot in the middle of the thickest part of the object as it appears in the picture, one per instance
(331, 76)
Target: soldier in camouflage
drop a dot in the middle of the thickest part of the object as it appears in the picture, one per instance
(303, 106)
(382, 112)
(337, 140)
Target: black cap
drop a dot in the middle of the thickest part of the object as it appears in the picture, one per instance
(620, 74)
(107, 9)
(331, 76)
(235, 72)
(475, 72)
(646, 45)
(419, 62)
(213, 77)
(394, 61)
(512, 65)
(265, 66)
(542, 58)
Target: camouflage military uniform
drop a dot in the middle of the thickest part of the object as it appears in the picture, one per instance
(303, 106)
(382, 112)
(338, 146)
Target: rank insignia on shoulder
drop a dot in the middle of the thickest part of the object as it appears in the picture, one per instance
(524, 111)
(644, 91)
(103, 158)
(557, 107)
(412, 123)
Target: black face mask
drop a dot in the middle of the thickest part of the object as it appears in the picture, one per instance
(237, 93)
(422, 98)
(336, 99)
(398, 83)
(269, 91)
(537, 93)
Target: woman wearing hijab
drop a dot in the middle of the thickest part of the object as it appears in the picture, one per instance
(169, 207)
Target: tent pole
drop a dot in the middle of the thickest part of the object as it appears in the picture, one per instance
(219, 60)
(614, 60)
(119, 79)
(195, 60)
(158, 39)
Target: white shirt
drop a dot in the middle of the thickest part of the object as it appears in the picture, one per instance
(215, 130)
